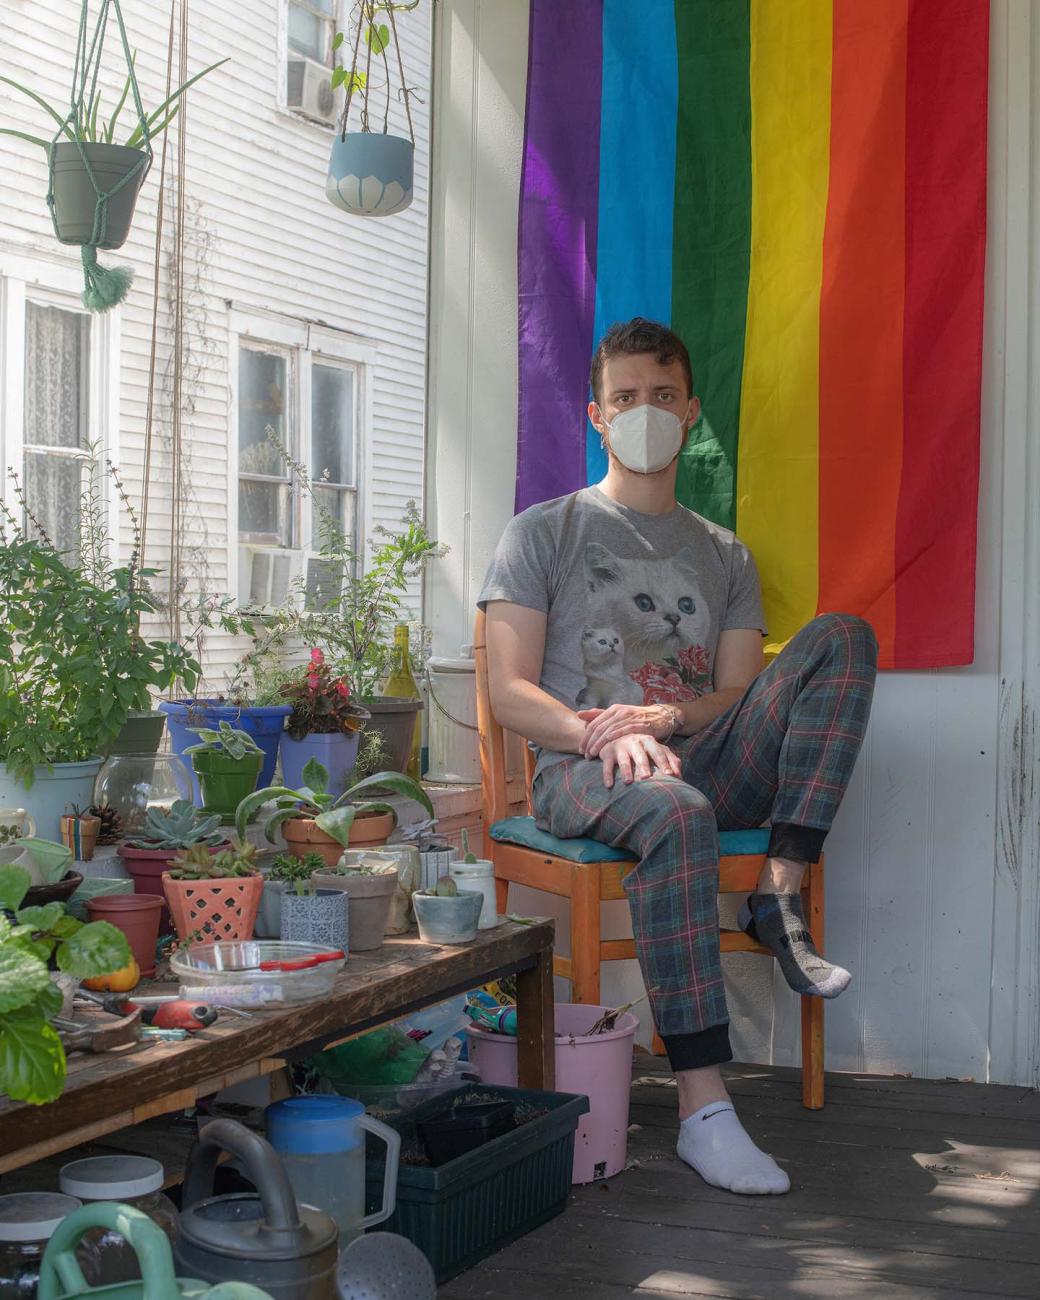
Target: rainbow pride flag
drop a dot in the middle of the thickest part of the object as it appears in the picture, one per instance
(799, 188)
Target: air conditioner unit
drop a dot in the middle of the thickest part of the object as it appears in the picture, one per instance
(266, 575)
(324, 582)
(308, 89)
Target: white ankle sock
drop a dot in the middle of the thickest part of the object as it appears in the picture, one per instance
(713, 1141)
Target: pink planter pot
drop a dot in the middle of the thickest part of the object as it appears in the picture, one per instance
(599, 1067)
(146, 867)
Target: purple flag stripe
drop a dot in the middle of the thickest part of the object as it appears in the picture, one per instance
(559, 197)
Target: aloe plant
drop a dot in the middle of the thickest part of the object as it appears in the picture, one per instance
(180, 828)
(90, 127)
(334, 816)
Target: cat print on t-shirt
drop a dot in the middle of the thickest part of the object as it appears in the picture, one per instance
(643, 641)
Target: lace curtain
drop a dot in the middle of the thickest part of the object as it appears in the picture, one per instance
(56, 370)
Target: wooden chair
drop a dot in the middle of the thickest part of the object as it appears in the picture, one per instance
(589, 873)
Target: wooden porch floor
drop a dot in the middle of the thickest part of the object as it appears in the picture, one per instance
(902, 1189)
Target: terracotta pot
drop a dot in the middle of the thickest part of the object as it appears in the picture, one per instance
(221, 909)
(137, 915)
(370, 899)
(147, 867)
(302, 835)
(79, 835)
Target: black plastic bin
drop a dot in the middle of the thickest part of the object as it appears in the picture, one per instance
(462, 1211)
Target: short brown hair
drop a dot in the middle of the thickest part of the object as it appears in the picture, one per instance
(635, 336)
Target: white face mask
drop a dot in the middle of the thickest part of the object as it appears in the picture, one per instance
(645, 438)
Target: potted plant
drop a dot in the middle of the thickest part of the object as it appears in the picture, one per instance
(263, 722)
(312, 820)
(227, 762)
(32, 1059)
(447, 914)
(286, 873)
(370, 887)
(217, 894)
(93, 180)
(314, 915)
(371, 172)
(151, 852)
(73, 656)
(325, 724)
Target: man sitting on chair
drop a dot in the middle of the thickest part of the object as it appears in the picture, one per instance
(624, 638)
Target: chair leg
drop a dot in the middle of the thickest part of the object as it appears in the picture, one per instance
(585, 934)
(502, 896)
(813, 1008)
(657, 1045)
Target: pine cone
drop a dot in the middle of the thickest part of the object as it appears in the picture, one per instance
(111, 831)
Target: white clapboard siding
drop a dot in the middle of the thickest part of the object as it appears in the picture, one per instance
(933, 868)
(259, 236)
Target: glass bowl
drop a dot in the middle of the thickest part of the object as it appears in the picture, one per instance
(132, 783)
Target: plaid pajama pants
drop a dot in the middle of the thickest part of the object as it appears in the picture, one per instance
(783, 753)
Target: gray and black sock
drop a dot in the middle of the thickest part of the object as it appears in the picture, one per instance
(777, 921)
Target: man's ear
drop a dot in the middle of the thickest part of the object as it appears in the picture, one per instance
(596, 418)
(694, 413)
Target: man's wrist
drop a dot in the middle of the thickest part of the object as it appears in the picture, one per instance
(678, 720)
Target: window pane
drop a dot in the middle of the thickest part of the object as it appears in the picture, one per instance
(332, 424)
(307, 33)
(262, 400)
(340, 505)
(56, 368)
(53, 485)
(263, 513)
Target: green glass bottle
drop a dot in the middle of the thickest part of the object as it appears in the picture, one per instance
(401, 684)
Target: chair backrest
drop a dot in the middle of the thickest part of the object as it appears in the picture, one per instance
(493, 780)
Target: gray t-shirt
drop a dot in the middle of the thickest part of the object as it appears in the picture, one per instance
(635, 602)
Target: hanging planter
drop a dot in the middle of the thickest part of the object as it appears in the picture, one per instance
(93, 182)
(371, 172)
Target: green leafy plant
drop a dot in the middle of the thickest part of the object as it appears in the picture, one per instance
(354, 625)
(180, 828)
(227, 740)
(91, 126)
(297, 872)
(467, 856)
(321, 703)
(377, 37)
(333, 815)
(32, 1059)
(73, 663)
(197, 863)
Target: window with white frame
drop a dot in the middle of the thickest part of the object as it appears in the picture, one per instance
(305, 396)
(310, 26)
(58, 398)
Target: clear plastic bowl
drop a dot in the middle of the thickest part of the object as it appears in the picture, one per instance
(213, 964)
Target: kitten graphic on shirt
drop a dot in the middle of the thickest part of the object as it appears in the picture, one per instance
(652, 605)
(606, 681)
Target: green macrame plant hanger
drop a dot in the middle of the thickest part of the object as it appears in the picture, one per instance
(103, 286)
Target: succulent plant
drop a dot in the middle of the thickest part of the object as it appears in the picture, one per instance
(467, 855)
(180, 828)
(446, 888)
(197, 863)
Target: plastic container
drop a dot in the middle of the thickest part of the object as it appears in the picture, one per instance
(454, 743)
(227, 963)
(599, 1066)
(264, 722)
(136, 1181)
(464, 1129)
(462, 1211)
(27, 1222)
(322, 1144)
(479, 875)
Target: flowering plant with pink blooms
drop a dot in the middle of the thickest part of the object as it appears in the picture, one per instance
(321, 702)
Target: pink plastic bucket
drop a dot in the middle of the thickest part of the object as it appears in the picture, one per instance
(599, 1067)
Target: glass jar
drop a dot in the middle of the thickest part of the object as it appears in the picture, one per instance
(131, 1180)
(27, 1221)
(132, 783)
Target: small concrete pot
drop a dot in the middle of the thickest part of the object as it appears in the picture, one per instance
(370, 898)
(322, 917)
(448, 920)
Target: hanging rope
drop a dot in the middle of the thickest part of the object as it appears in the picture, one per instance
(367, 10)
(177, 413)
(103, 286)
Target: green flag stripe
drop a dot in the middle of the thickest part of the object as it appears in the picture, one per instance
(712, 239)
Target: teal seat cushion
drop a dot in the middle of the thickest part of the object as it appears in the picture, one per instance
(523, 831)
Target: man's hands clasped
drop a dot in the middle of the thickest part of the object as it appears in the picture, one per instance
(628, 740)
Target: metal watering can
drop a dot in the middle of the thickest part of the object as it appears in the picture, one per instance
(264, 1237)
(61, 1277)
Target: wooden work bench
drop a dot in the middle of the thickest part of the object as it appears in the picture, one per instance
(116, 1089)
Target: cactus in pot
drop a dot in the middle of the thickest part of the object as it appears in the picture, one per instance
(215, 893)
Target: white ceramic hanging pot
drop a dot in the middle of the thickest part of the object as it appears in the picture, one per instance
(370, 174)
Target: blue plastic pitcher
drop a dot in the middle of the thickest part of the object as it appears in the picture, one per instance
(321, 1141)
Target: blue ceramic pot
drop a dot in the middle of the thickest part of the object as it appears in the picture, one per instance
(370, 174)
(337, 753)
(264, 722)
